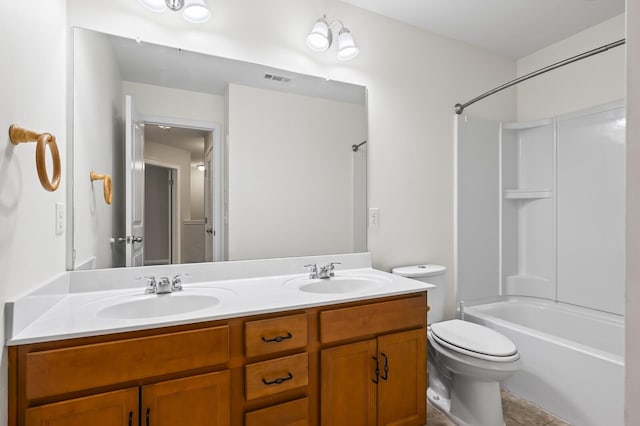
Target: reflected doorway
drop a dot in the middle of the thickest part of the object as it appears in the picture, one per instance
(178, 187)
(159, 215)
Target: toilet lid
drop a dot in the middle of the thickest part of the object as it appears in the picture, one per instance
(472, 339)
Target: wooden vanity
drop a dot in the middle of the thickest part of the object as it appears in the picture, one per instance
(357, 363)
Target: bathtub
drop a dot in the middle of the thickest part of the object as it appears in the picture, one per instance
(573, 358)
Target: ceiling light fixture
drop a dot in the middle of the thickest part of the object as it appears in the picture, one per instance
(194, 11)
(320, 38)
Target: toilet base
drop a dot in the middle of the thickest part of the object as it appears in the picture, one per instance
(443, 404)
(468, 410)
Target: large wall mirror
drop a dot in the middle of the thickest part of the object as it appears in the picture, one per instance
(209, 158)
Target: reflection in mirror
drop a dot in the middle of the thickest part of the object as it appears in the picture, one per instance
(211, 159)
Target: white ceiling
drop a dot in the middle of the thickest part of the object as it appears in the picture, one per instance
(191, 140)
(513, 28)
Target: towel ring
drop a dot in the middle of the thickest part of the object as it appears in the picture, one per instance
(18, 135)
(107, 187)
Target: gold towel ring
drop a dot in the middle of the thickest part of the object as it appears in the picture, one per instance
(19, 135)
(107, 187)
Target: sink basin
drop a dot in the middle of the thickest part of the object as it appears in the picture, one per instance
(159, 305)
(337, 284)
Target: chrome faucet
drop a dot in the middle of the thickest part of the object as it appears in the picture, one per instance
(326, 271)
(164, 285)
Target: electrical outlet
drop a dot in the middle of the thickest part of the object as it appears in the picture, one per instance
(374, 218)
(59, 218)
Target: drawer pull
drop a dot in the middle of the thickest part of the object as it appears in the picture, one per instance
(130, 418)
(148, 420)
(277, 339)
(278, 381)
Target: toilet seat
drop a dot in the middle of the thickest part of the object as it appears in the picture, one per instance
(474, 340)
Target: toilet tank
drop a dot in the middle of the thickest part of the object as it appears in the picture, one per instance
(432, 274)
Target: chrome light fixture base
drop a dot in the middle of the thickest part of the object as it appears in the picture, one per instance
(194, 11)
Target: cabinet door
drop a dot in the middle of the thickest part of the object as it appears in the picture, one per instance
(118, 408)
(202, 400)
(348, 392)
(402, 391)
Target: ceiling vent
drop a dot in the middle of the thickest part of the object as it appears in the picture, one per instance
(279, 78)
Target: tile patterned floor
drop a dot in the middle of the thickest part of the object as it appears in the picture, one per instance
(517, 412)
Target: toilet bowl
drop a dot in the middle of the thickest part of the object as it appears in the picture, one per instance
(469, 361)
(466, 361)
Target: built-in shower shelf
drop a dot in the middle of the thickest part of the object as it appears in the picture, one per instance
(527, 194)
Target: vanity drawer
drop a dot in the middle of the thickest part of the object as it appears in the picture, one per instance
(371, 319)
(60, 371)
(294, 413)
(275, 335)
(276, 375)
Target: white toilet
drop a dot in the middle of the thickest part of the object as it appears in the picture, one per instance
(466, 361)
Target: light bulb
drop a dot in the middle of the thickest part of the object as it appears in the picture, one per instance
(347, 48)
(195, 11)
(319, 39)
(155, 5)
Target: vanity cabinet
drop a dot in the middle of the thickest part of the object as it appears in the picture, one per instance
(310, 366)
(269, 372)
(197, 400)
(106, 409)
(380, 380)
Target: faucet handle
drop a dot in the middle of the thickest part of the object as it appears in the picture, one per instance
(152, 285)
(313, 270)
(176, 283)
(332, 267)
(327, 270)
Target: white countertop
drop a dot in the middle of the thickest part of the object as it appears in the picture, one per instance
(77, 313)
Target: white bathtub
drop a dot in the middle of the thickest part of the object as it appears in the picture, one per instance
(573, 358)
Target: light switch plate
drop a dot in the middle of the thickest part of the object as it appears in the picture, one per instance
(59, 218)
(374, 218)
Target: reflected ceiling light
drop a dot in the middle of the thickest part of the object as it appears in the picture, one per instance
(320, 38)
(194, 11)
(200, 167)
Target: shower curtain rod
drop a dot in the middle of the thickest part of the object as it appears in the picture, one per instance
(355, 147)
(459, 108)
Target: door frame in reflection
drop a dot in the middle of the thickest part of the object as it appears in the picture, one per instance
(218, 152)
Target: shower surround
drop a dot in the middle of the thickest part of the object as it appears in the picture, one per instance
(540, 213)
